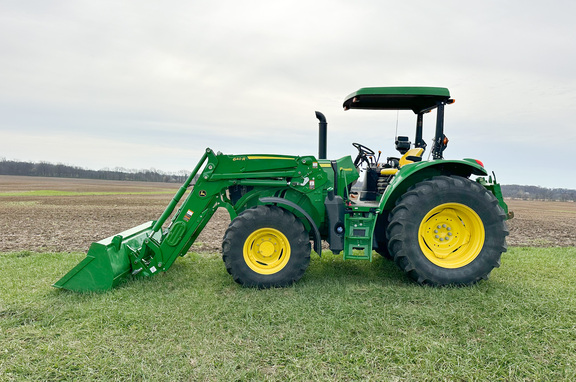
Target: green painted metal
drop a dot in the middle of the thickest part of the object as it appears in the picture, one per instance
(151, 248)
(418, 99)
(107, 262)
(180, 193)
(494, 187)
(413, 173)
(402, 90)
(343, 171)
(358, 239)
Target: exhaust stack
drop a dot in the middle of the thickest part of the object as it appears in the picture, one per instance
(322, 131)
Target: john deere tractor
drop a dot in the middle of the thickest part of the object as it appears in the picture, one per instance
(441, 221)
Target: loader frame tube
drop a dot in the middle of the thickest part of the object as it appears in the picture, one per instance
(168, 211)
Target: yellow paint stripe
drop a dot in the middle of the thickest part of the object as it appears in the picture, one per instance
(268, 157)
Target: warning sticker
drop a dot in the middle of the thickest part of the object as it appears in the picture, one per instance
(188, 215)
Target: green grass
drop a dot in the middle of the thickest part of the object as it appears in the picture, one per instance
(345, 321)
(83, 193)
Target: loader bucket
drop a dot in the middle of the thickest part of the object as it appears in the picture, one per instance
(107, 262)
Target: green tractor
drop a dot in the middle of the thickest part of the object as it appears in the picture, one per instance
(428, 216)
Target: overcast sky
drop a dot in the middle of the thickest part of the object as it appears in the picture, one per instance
(150, 84)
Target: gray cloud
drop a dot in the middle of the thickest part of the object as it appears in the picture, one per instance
(151, 84)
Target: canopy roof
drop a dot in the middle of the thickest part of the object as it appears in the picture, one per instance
(417, 99)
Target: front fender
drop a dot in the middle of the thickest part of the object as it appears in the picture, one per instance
(413, 173)
(300, 213)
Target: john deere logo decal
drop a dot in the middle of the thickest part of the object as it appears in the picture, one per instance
(202, 193)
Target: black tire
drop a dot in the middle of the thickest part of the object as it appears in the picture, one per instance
(380, 236)
(266, 246)
(382, 250)
(447, 230)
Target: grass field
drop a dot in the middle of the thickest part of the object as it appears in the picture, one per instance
(343, 321)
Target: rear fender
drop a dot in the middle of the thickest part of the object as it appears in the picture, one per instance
(414, 173)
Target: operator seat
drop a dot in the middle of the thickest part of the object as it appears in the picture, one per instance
(376, 182)
(410, 156)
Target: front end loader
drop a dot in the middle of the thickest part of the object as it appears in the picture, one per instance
(438, 224)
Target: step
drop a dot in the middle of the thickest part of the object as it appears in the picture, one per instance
(358, 235)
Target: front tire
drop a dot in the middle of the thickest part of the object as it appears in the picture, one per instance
(447, 230)
(265, 247)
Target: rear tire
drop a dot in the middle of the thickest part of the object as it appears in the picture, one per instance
(447, 230)
(265, 247)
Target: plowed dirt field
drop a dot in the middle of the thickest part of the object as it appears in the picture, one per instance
(66, 215)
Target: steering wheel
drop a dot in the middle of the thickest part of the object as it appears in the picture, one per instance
(363, 153)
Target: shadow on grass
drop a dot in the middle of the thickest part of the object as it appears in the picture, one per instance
(199, 272)
(333, 269)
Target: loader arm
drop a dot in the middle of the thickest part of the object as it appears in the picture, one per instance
(147, 249)
(266, 174)
(152, 248)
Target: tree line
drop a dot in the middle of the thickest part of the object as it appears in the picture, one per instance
(12, 167)
(538, 193)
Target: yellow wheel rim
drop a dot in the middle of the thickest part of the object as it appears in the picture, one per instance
(451, 235)
(266, 251)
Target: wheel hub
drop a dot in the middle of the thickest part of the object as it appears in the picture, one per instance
(451, 235)
(266, 251)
